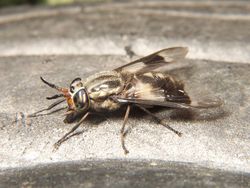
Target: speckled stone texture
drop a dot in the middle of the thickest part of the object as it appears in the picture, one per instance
(62, 43)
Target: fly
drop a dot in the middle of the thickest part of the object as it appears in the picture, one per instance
(135, 84)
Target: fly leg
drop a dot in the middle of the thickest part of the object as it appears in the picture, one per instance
(67, 135)
(49, 113)
(159, 120)
(124, 133)
(46, 109)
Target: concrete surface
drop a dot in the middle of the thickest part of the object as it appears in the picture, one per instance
(62, 43)
(105, 28)
(216, 137)
(116, 173)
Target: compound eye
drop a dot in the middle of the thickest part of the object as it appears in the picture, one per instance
(80, 99)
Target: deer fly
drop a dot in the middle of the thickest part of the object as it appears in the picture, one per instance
(135, 84)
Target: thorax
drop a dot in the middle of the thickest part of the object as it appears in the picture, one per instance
(100, 86)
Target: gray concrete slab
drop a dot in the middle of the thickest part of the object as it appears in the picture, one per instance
(120, 173)
(217, 138)
(61, 43)
(212, 30)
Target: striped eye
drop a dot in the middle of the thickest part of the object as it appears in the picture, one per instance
(72, 88)
(74, 84)
(80, 99)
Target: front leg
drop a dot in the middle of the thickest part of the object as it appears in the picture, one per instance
(67, 135)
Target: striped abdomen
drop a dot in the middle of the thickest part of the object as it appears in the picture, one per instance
(157, 86)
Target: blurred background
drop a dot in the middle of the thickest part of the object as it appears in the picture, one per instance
(37, 2)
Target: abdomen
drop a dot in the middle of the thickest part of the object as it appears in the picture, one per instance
(157, 86)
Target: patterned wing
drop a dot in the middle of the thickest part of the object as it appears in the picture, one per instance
(154, 61)
(158, 89)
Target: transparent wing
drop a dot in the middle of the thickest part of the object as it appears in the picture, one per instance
(170, 104)
(155, 60)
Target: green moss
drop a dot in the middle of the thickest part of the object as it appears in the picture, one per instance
(56, 2)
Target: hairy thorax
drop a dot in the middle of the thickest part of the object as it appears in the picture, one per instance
(101, 86)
